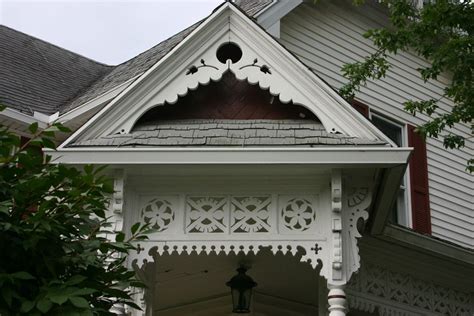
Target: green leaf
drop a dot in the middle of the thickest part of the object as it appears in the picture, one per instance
(79, 302)
(120, 237)
(27, 306)
(22, 275)
(59, 299)
(7, 295)
(76, 279)
(33, 128)
(44, 305)
(135, 228)
(48, 143)
(62, 128)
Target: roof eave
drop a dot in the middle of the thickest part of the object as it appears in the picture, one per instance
(380, 157)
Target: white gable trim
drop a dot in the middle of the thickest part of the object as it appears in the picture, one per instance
(289, 79)
(94, 103)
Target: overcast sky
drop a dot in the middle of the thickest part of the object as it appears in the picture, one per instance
(109, 31)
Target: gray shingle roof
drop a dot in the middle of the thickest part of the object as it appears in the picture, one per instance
(38, 76)
(205, 132)
(129, 69)
(252, 7)
(147, 59)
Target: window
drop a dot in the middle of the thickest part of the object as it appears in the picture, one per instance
(396, 132)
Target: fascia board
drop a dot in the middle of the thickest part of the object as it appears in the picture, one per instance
(142, 77)
(385, 196)
(22, 118)
(275, 11)
(419, 242)
(92, 104)
(355, 157)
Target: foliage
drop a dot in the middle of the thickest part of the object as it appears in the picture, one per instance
(55, 259)
(442, 32)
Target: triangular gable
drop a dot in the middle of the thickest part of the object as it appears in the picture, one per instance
(195, 61)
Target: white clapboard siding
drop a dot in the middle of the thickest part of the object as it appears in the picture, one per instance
(327, 35)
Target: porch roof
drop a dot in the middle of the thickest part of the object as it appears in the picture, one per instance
(221, 132)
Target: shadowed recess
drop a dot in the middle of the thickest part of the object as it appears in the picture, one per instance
(229, 99)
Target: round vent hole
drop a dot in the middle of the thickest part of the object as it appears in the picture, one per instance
(229, 51)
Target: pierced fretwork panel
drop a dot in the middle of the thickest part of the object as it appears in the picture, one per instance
(237, 215)
(251, 214)
(207, 214)
(160, 212)
(297, 214)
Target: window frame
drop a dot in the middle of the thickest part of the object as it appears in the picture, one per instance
(403, 218)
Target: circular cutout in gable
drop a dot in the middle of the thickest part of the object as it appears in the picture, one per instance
(230, 51)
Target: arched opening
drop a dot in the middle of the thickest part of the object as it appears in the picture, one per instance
(229, 99)
(285, 285)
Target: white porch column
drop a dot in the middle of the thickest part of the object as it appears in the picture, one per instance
(337, 300)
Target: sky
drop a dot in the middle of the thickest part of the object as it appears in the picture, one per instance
(108, 31)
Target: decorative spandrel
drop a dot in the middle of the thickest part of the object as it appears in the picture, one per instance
(323, 225)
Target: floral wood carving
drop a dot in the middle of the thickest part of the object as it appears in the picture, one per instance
(159, 213)
(298, 214)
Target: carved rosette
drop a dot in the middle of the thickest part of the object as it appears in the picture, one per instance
(159, 214)
(298, 214)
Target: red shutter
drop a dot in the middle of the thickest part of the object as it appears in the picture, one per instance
(420, 203)
(361, 108)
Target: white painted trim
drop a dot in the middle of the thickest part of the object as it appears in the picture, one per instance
(275, 11)
(363, 156)
(92, 104)
(48, 119)
(22, 117)
(413, 240)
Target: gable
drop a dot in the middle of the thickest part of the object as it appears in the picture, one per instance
(228, 41)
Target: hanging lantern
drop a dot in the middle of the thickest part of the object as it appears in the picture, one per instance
(241, 286)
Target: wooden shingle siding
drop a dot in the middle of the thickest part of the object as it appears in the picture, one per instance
(327, 35)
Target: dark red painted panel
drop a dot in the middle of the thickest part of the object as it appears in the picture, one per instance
(361, 108)
(228, 98)
(420, 203)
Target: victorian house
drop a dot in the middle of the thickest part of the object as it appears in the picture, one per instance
(231, 140)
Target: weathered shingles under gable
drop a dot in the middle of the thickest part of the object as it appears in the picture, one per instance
(243, 133)
(38, 76)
